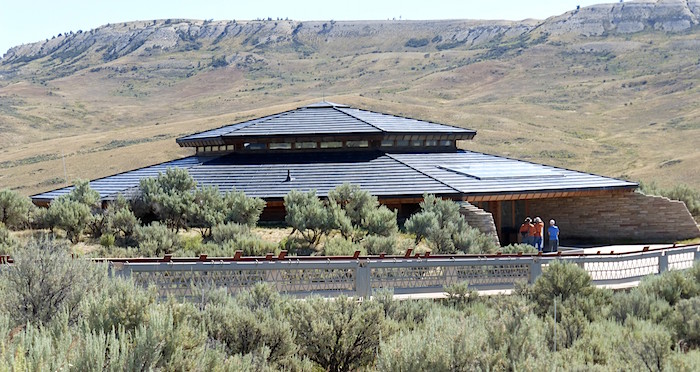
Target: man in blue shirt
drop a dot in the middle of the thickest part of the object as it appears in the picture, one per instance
(553, 231)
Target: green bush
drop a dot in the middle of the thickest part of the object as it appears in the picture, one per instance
(118, 305)
(686, 321)
(518, 248)
(672, 286)
(71, 216)
(155, 240)
(560, 281)
(7, 242)
(229, 231)
(441, 224)
(242, 209)
(339, 246)
(374, 244)
(45, 281)
(107, 240)
(14, 209)
(339, 335)
(639, 304)
(121, 220)
(170, 196)
(308, 215)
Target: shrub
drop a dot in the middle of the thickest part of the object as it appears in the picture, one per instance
(120, 219)
(374, 244)
(307, 214)
(381, 221)
(686, 321)
(14, 209)
(648, 345)
(339, 335)
(155, 240)
(560, 280)
(229, 231)
(82, 193)
(170, 196)
(245, 331)
(459, 294)
(241, 209)
(671, 286)
(71, 216)
(442, 225)
(417, 43)
(639, 304)
(7, 242)
(518, 248)
(45, 281)
(119, 305)
(107, 240)
(208, 209)
(339, 246)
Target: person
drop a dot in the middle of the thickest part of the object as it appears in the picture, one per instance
(539, 230)
(525, 236)
(553, 231)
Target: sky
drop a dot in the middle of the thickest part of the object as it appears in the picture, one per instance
(27, 21)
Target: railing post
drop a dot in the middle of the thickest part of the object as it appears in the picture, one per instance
(663, 263)
(363, 287)
(535, 269)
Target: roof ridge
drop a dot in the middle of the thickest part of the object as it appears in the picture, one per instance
(423, 173)
(355, 117)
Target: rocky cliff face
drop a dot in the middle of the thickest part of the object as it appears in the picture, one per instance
(627, 17)
(115, 41)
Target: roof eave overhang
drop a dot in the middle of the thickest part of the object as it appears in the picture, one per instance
(232, 140)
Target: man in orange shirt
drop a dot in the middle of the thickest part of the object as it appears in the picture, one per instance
(526, 232)
(539, 229)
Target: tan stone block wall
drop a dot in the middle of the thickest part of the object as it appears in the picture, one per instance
(622, 218)
(479, 219)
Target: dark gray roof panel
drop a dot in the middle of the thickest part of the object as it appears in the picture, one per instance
(306, 121)
(493, 174)
(390, 123)
(384, 175)
(326, 118)
(121, 183)
(265, 175)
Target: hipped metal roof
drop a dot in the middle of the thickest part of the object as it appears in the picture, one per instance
(383, 174)
(322, 119)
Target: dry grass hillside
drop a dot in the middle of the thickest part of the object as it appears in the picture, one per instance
(607, 89)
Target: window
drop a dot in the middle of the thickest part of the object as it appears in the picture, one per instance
(431, 142)
(331, 145)
(387, 143)
(200, 149)
(416, 143)
(230, 147)
(255, 146)
(280, 146)
(357, 144)
(305, 145)
(402, 143)
(207, 149)
(446, 143)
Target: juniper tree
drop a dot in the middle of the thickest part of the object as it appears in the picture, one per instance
(14, 209)
(170, 196)
(308, 215)
(441, 224)
(242, 209)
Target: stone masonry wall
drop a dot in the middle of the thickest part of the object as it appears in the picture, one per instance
(479, 219)
(621, 218)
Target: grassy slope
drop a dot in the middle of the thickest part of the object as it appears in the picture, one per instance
(623, 106)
